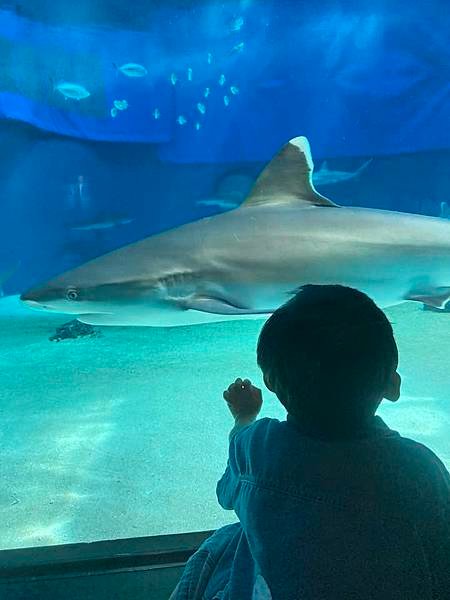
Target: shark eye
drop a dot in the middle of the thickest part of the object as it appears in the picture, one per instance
(72, 294)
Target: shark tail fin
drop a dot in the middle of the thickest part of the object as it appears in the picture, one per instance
(287, 179)
(363, 166)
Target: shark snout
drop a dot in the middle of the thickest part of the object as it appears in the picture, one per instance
(28, 299)
(39, 298)
(37, 305)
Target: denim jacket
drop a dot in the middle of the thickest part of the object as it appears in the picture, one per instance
(363, 519)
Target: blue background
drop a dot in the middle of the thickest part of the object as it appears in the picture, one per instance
(360, 79)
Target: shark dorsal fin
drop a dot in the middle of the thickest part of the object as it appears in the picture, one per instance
(287, 179)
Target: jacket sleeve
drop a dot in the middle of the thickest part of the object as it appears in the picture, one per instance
(228, 486)
(436, 530)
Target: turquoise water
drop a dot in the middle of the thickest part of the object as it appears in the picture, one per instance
(118, 123)
(126, 434)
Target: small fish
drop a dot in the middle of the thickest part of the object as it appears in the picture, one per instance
(234, 90)
(114, 112)
(206, 92)
(102, 221)
(238, 48)
(74, 91)
(222, 79)
(156, 114)
(209, 58)
(133, 70)
(173, 78)
(120, 104)
(230, 192)
(197, 126)
(237, 23)
(226, 100)
(327, 176)
(201, 108)
(189, 74)
(181, 120)
(220, 203)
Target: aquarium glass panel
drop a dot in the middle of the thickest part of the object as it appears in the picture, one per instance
(171, 173)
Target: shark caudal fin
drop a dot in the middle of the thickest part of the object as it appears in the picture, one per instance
(287, 179)
(363, 166)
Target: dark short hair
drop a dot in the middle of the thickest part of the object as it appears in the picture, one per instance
(328, 353)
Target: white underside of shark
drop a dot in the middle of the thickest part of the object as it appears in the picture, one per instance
(247, 262)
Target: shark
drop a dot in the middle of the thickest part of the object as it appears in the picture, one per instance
(102, 222)
(326, 176)
(230, 192)
(246, 262)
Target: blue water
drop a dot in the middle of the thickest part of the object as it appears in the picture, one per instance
(127, 418)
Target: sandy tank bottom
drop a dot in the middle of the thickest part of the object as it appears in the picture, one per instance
(125, 434)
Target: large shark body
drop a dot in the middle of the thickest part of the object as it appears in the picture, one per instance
(249, 261)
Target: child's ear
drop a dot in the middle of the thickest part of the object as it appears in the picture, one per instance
(392, 392)
(268, 384)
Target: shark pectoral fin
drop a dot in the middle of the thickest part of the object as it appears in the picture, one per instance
(287, 179)
(436, 297)
(218, 306)
(99, 319)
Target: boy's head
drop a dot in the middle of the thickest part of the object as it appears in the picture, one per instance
(330, 356)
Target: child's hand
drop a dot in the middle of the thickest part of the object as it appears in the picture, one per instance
(244, 399)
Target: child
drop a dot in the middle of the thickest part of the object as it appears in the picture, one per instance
(332, 504)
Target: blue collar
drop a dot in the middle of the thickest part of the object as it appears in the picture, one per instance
(375, 427)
